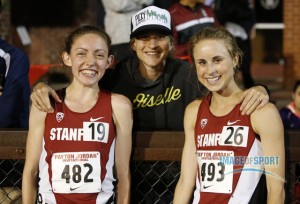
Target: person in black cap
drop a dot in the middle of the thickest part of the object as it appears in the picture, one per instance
(158, 85)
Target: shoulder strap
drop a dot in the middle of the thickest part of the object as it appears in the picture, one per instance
(61, 94)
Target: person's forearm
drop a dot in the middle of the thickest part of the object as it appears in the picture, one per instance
(123, 190)
(276, 197)
(182, 194)
(29, 191)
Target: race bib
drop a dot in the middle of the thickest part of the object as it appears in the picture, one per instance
(234, 136)
(95, 131)
(215, 176)
(76, 172)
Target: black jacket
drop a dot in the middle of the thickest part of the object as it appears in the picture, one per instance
(160, 104)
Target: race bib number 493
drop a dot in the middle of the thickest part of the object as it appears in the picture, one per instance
(215, 176)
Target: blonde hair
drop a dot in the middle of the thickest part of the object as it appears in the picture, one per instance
(217, 34)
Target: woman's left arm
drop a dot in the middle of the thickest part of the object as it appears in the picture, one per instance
(267, 123)
(123, 119)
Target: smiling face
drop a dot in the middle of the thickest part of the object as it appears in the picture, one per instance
(89, 58)
(152, 49)
(214, 64)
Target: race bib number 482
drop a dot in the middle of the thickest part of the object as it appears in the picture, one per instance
(76, 172)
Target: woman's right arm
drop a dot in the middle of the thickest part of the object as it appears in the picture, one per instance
(186, 182)
(40, 97)
(33, 152)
